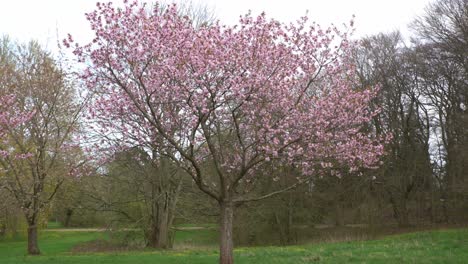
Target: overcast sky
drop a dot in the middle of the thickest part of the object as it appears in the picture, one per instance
(43, 20)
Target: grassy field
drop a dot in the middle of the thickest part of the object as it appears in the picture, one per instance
(444, 246)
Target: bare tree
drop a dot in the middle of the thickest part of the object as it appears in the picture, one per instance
(384, 60)
(442, 45)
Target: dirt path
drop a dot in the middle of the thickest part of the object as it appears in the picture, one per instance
(76, 230)
(123, 229)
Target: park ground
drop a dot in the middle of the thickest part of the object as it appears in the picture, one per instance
(198, 245)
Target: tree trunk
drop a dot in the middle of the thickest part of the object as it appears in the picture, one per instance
(433, 211)
(401, 213)
(339, 215)
(226, 238)
(152, 236)
(159, 230)
(171, 213)
(290, 233)
(404, 217)
(33, 248)
(281, 228)
(165, 193)
(2, 229)
(68, 215)
(158, 238)
(163, 230)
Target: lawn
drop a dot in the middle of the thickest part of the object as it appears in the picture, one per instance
(443, 246)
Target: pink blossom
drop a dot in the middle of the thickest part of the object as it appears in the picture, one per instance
(240, 95)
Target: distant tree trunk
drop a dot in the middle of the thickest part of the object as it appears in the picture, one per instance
(291, 236)
(68, 215)
(171, 214)
(433, 204)
(339, 216)
(400, 211)
(280, 226)
(2, 229)
(285, 223)
(226, 238)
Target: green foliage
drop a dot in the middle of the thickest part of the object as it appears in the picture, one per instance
(12, 225)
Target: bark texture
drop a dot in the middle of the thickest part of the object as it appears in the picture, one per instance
(226, 238)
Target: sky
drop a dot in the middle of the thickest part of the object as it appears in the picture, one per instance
(49, 20)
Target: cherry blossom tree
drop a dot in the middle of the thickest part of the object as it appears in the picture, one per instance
(38, 118)
(234, 97)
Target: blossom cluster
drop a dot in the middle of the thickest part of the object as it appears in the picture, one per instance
(239, 95)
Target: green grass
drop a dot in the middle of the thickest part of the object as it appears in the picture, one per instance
(54, 225)
(204, 225)
(207, 237)
(444, 246)
(50, 243)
